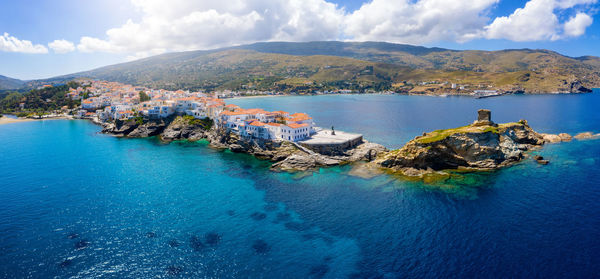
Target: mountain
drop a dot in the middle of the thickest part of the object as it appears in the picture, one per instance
(10, 83)
(311, 66)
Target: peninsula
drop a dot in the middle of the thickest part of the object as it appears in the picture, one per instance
(291, 141)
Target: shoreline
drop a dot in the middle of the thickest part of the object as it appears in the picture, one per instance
(10, 120)
(442, 95)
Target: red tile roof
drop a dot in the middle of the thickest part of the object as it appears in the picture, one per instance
(296, 126)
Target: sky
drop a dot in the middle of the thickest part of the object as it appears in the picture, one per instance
(42, 39)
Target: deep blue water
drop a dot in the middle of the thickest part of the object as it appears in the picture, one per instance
(143, 209)
(393, 120)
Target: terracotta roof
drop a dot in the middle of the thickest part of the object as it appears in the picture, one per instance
(296, 117)
(296, 126)
(257, 123)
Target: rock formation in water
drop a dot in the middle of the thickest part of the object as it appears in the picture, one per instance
(135, 128)
(482, 145)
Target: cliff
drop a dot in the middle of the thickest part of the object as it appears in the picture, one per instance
(480, 146)
(285, 155)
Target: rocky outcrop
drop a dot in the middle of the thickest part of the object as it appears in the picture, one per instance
(565, 137)
(577, 87)
(482, 145)
(478, 146)
(586, 135)
(551, 138)
(184, 128)
(540, 160)
(148, 129)
(289, 156)
(135, 129)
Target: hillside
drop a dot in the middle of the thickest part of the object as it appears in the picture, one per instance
(39, 100)
(305, 67)
(10, 83)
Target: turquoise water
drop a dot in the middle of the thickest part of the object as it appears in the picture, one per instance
(76, 203)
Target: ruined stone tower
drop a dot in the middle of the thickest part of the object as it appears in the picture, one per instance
(484, 117)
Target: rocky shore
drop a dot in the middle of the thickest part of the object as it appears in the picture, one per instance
(482, 145)
(287, 156)
(473, 147)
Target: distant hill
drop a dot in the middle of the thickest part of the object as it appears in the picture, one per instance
(362, 66)
(10, 83)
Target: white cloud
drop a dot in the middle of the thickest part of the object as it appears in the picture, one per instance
(576, 25)
(179, 25)
(187, 25)
(12, 44)
(61, 46)
(418, 22)
(538, 20)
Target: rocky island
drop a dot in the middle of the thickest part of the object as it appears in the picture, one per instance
(483, 145)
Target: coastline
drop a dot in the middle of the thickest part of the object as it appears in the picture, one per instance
(428, 94)
(10, 120)
(432, 154)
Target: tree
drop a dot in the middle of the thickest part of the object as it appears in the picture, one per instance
(144, 97)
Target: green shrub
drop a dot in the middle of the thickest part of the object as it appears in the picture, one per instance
(139, 120)
(206, 123)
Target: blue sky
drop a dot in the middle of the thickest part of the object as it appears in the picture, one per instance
(40, 39)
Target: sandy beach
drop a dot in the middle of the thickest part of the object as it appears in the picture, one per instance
(8, 120)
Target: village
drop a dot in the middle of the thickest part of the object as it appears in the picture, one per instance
(110, 101)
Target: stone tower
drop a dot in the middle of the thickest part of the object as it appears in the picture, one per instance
(484, 117)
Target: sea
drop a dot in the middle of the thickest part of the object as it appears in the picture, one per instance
(75, 203)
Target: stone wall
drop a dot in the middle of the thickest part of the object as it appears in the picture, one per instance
(333, 149)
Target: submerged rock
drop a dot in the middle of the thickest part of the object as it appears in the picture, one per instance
(173, 243)
(260, 246)
(318, 271)
(173, 270)
(72, 236)
(257, 216)
(196, 243)
(283, 217)
(65, 263)
(366, 171)
(212, 238)
(82, 244)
